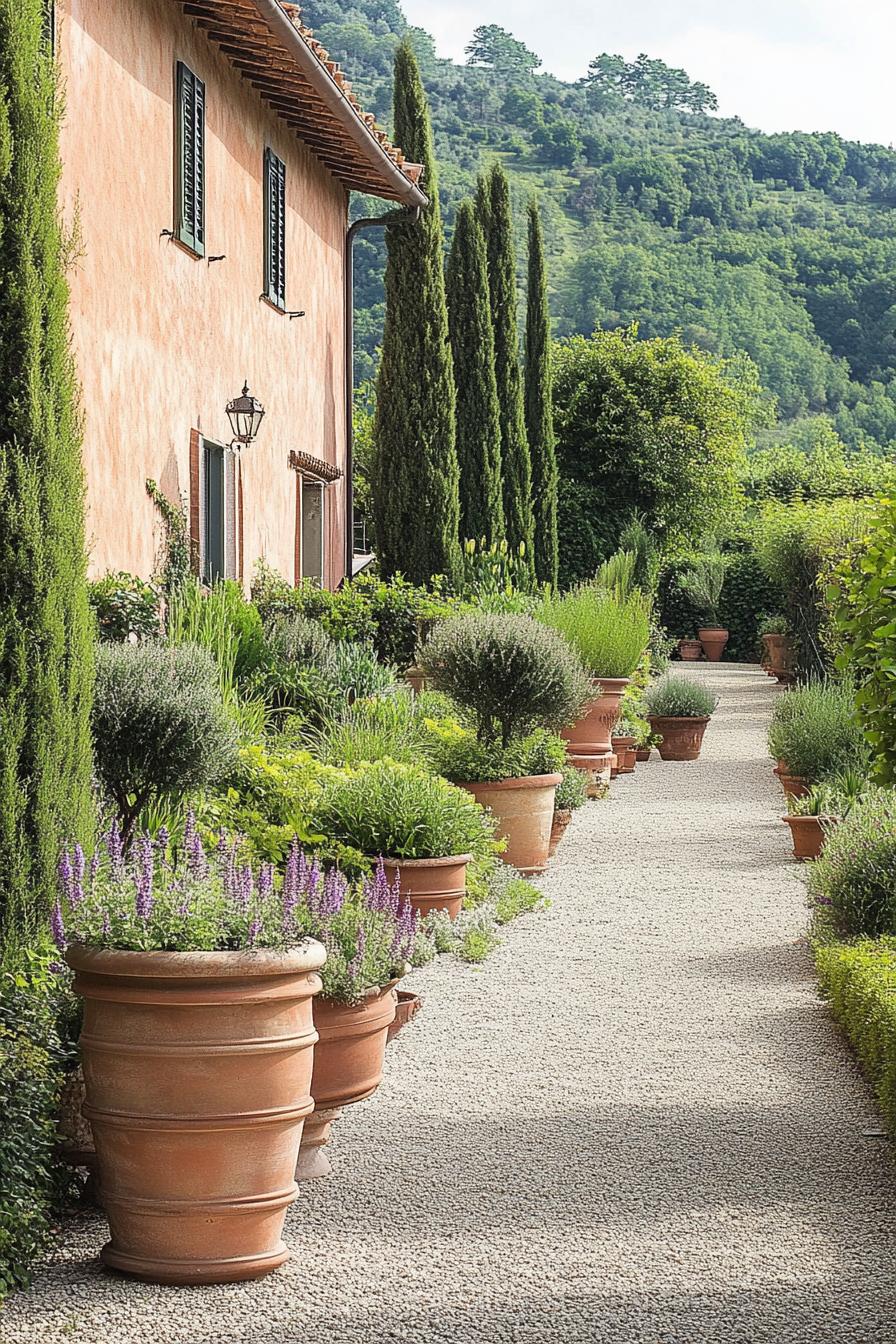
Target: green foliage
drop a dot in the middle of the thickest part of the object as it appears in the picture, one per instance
(455, 752)
(401, 811)
(635, 539)
(855, 877)
(572, 792)
(703, 584)
(646, 427)
(823, 469)
(125, 606)
(371, 729)
(46, 664)
(316, 678)
(748, 592)
(495, 578)
(609, 634)
(223, 622)
(509, 671)
(679, 697)
(859, 981)
(159, 725)
(539, 407)
(32, 1060)
(864, 608)
(493, 205)
(814, 729)
(414, 478)
(473, 354)
(177, 560)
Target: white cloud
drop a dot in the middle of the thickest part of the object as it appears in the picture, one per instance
(777, 64)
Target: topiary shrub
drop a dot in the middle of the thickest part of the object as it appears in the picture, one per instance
(854, 880)
(509, 671)
(678, 697)
(159, 726)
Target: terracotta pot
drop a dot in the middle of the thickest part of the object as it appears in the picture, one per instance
(562, 818)
(795, 786)
(432, 884)
(631, 760)
(781, 651)
(348, 1066)
(713, 638)
(809, 835)
(588, 740)
(406, 1009)
(197, 1068)
(416, 679)
(690, 650)
(643, 754)
(624, 749)
(524, 810)
(682, 738)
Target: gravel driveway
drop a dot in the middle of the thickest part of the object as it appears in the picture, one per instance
(635, 1123)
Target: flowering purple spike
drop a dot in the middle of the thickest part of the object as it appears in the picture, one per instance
(57, 926)
(313, 882)
(163, 839)
(254, 931)
(291, 886)
(302, 871)
(355, 964)
(244, 886)
(66, 877)
(265, 881)
(107, 924)
(144, 900)
(335, 888)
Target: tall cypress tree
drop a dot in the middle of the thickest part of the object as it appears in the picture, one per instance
(414, 477)
(46, 668)
(473, 351)
(493, 203)
(539, 407)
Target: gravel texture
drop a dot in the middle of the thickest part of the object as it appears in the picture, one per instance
(635, 1123)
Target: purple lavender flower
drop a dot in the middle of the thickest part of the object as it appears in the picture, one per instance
(354, 967)
(57, 926)
(66, 876)
(107, 924)
(333, 898)
(244, 887)
(265, 881)
(197, 863)
(78, 867)
(254, 931)
(291, 888)
(405, 931)
(312, 883)
(115, 849)
(144, 878)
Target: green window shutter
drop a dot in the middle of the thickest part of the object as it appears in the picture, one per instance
(190, 160)
(215, 549)
(274, 228)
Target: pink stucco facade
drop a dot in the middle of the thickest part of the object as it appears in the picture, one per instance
(164, 339)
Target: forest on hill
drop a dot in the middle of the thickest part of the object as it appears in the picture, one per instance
(781, 247)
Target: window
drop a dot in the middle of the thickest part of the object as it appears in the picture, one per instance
(218, 509)
(274, 229)
(189, 163)
(312, 530)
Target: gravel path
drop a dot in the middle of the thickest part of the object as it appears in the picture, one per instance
(635, 1123)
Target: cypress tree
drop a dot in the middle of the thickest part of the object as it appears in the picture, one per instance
(46, 666)
(539, 407)
(473, 352)
(493, 202)
(414, 477)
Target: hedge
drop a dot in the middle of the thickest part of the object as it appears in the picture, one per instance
(859, 980)
(747, 596)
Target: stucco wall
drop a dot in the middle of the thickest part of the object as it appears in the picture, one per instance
(163, 340)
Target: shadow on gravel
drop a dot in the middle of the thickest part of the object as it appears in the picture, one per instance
(784, 963)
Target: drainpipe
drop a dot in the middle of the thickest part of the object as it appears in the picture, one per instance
(407, 215)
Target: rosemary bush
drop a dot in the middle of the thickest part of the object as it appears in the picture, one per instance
(677, 697)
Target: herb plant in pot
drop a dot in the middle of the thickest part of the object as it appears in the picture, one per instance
(511, 675)
(609, 632)
(703, 584)
(814, 733)
(197, 1048)
(810, 818)
(679, 709)
(426, 829)
(368, 930)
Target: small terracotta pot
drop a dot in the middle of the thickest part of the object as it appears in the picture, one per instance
(690, 650)
(416, 679)
(432, 884)
(624, 750)
(809, 834)
(782, 654)
(406, 1009)
(682, 738)
(588, 740)
(794, 786)
(562, 818)
(348, 1066)
(713, 639)
(643, 754)
(524, 810)
(197, 1068)
(631, 760)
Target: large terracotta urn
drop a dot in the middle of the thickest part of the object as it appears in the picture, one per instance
(524, 811)
(781, 652)
(348, 1066)
(197, 1069)
(682, 738)
(431, 884)
(713, 639)
(589, 740)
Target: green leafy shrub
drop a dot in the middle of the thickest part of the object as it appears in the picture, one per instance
(510, 672)
(33, 1058)
(747, 593)
(310, 675)
(678, 697)
(125, 607)
(855, 877)
(859, 981)
(773, 624)
(229, 628)
(834, 798)
(703, 584)
(159, 726)
(401, 811)
(607, 632)
(371, 729)
(268, 798)
(458, 754)
(814, 730)
(572, 791)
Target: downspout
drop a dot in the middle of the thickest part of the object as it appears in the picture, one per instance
(409, 214)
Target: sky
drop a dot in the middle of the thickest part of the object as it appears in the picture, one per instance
(780, 65)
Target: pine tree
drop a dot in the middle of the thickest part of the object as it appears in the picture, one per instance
(473, 351)
(414, 476)
(493, 204)
(46, 665)
(539, 407)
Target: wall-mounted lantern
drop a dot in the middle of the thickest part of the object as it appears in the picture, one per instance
(245, 414)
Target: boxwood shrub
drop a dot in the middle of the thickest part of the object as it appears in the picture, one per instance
(859, 981)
